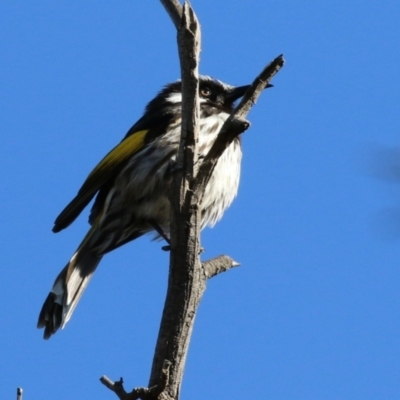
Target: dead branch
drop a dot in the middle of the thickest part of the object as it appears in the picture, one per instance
(185, 284)
(218, 265)
(187, 275)
(235, 124)
(139, 393)
(174, 10)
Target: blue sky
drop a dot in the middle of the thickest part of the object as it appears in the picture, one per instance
(313, 312)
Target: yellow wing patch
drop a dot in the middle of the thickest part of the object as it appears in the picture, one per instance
(107, 169)
(131, 145)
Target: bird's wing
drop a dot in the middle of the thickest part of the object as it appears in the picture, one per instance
(105, 171)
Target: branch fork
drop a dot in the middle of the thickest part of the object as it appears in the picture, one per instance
(154, 393)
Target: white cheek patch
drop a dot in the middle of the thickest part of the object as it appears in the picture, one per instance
(175, 98)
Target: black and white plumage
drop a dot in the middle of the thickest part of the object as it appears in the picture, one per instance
(131, 186)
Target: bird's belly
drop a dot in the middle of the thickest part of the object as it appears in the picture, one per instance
(145, 195)
(223, 185)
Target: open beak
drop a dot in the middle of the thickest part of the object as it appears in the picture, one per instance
(239, 92)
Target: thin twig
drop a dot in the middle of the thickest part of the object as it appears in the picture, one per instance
(152, 393)
(117, 387)
(218, 265)
(256, 88)
(235, 124)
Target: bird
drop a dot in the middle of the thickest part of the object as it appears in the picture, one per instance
(131, 183)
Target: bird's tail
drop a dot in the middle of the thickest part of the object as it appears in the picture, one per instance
(67, 290)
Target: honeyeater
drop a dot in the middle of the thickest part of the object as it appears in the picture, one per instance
(130, 186)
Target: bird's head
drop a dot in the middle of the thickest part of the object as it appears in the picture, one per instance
(218, 94)
(212, 92)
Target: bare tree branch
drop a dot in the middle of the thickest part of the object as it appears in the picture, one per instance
(218, 265)
(187, 275)
(235, 124)
(185, 285)
(258, 85)
(174, 10)
(189, 53)
(152, 393)
(117, 387)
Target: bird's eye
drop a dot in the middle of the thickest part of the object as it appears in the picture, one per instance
(206, 91)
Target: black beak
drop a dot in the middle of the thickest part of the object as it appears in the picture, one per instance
(238, 92)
